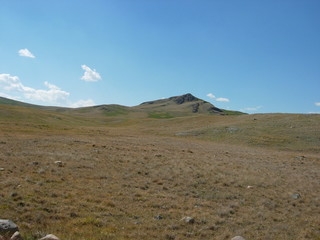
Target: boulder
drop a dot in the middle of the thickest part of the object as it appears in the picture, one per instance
(7, 228)
(50, 237)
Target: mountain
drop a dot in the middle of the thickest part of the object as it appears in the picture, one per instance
(186, 104)
(176, 106)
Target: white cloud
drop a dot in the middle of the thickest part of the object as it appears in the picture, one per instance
(90, 75)
(52, 95)
(210, 95)
(221, 99)
(82, 103)
(251, 109)
(11, 87)
(25, 53)
(317, 104)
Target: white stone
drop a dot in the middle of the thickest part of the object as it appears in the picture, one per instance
(16, 236)
(237, 238)
(50, 237)
(188, 219)
(59, 163)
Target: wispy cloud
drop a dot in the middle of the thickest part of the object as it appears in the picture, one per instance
(90, 75)
(25, 53)
(210, 95)
(51, 95)
(317, 104)
(251, 109)
(221, 99)
(82, 103)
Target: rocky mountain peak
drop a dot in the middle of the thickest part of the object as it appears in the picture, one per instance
(184, 98)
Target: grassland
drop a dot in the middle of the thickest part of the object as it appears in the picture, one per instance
(132, 176)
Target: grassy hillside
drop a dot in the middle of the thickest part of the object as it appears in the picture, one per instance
(298, 132)
(179, 106)
(136, 174)
(6, 101)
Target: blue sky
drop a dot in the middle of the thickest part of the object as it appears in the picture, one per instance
(253, 56)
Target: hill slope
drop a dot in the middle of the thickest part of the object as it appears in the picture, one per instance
(184, 105)
(136, 178)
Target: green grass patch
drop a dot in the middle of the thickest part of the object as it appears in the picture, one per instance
(162, 115)
(115, 112)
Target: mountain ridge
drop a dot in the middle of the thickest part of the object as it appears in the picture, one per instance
(182, 105)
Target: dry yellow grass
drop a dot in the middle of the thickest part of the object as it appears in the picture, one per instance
(127, 178)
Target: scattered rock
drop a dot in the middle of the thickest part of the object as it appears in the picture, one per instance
(190, 220)
(249, 187)
(16, 236)
(182, 134)
(300, 158)
(14, 194)
(73, 215)
(296, 195)
(59, 163)
(232, 129)
(41, 171)
(7, 228)
(1, 169)
(237, 238)
(159, 217)
(50, 237)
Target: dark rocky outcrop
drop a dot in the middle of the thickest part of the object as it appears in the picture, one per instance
(215, 110)
(184, 98)
(195, 107)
